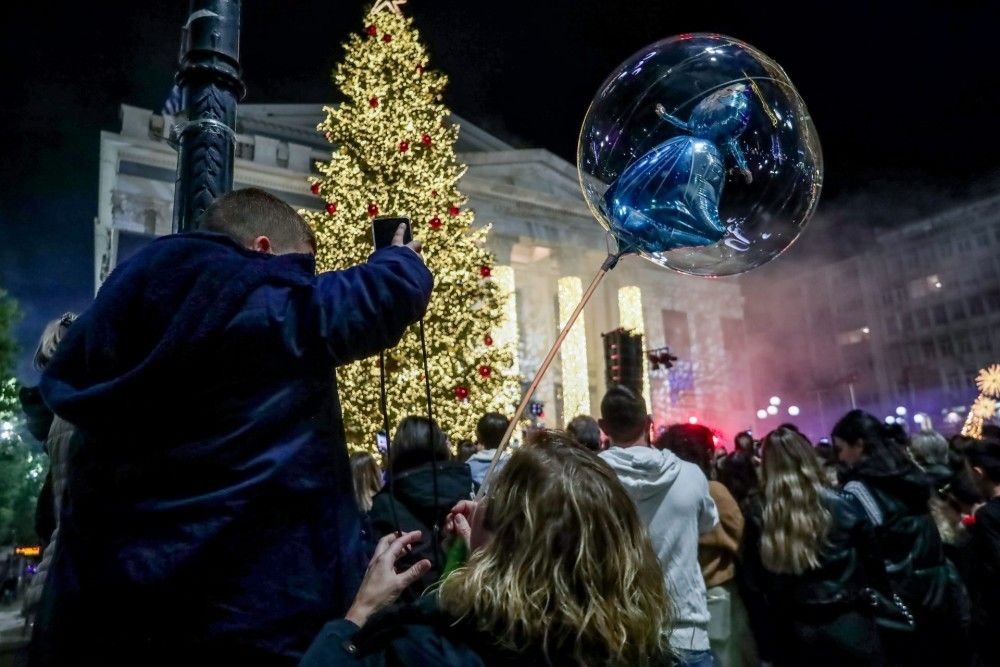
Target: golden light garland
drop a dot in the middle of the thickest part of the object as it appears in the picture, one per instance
(630, 317)
(394, 154)
(573, 354)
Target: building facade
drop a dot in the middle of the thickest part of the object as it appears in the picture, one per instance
(900, 328)
(545, 240)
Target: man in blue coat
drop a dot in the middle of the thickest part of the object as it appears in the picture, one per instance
(209, 515)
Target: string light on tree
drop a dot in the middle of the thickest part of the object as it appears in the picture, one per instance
(393, 154)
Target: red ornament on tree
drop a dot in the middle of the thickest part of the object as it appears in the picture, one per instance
(488, 339)
(315, 188)
(420, 70)
(404, 146)
(386, 38)
(435, 222)
(372, 210)
(484, 271)
(485, 371)
(426, 139)
(329, 137)
(453, 211)
(331, 208)
(373, 102)
(372, 30)
(434, 193)
(461, 393)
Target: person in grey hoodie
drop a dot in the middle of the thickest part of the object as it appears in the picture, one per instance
(673, 501)
(489, 433)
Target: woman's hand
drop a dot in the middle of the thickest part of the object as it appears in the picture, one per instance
(382, 585)
(465, 521)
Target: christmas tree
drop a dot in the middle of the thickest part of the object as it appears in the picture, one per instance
(394, 155)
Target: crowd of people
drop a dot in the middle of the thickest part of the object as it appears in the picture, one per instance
(883, 551)
(206, 509)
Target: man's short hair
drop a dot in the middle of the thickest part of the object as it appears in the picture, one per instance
(623, 414)
(490, 429)
(985, 454)
(690, 442)
(586, 431)
(243, 215)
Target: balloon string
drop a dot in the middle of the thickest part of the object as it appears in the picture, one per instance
(608, 264)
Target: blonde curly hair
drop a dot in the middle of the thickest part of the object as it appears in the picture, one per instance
(570, 566)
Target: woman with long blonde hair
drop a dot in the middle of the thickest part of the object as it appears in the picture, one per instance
(561, 573)
(812, 561)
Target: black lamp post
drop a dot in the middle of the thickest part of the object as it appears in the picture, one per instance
(210, 84)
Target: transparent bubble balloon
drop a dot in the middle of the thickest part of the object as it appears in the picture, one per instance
(698, 154)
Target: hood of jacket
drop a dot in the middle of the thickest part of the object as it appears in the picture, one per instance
(643, 471)
(415, 488)
(907, 484)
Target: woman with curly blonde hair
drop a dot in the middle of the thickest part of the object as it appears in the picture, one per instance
(812, 563)
(561, 573)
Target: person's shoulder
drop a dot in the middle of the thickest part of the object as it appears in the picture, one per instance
(720, 494)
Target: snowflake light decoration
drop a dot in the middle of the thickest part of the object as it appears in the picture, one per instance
(988, 381)
(984, 407)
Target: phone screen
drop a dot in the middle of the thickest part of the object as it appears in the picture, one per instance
(382, 442)
(383, 229)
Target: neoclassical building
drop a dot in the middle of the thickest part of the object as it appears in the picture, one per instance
(547, 247)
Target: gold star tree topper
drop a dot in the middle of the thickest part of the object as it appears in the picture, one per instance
(388, 6)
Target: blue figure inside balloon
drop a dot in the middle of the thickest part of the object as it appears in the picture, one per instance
(669, 197)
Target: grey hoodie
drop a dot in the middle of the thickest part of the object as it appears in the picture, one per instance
(673, 501)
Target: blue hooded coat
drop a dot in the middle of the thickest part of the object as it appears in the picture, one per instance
(209, 512)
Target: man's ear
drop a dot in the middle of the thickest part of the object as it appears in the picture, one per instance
(262, 244)
(600, 425)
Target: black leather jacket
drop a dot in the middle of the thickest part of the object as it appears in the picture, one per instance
(850, 561)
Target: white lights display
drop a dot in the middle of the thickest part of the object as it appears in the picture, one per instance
(630, 317)
(573, 355)
(505, 333)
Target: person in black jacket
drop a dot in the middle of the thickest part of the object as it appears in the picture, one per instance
(984, 460)
(811, 560)
(419, 496)
(562, 573)
(895, 493)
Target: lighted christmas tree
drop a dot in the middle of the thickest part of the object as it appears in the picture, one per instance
(394, 155)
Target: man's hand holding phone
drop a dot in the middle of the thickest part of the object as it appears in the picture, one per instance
(399, 238)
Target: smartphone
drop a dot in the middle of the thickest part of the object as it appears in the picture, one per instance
(383, 229)
(382, 442)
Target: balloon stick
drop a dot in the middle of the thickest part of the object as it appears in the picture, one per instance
(608, 264)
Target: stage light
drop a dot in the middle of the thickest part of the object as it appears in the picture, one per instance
(692, 420)
(772, 409)
(775, 401)
(762, 414)
(793, 410)
(630, 317)
(901, 411)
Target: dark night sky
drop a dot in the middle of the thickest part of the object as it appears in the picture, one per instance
(905, 95)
